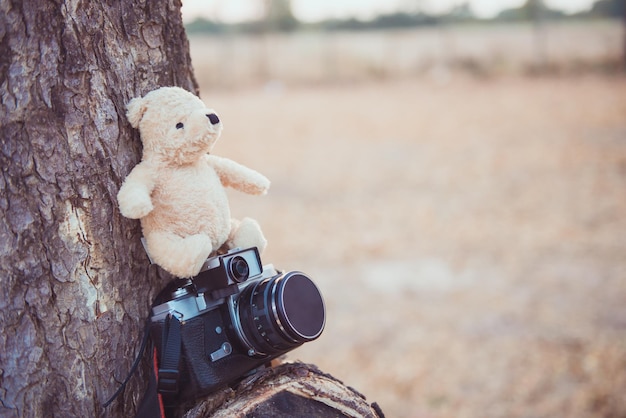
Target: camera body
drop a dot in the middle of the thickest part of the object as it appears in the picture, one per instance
(232, 318)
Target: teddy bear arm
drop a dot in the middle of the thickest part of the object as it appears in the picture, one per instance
(239, 177)
(134, 195)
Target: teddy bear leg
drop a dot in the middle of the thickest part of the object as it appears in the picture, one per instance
(245, 234)
(182, 257)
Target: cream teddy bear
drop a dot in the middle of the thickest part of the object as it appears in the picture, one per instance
(177, 190)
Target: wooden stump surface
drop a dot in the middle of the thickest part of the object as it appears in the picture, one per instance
(287, 390)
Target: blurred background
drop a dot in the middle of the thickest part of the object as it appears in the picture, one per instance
(452, 174)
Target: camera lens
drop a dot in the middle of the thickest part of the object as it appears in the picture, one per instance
(282, 312)
(238, 269)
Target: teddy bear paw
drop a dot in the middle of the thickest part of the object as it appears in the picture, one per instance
(247, 233)
(200, 248)
(187, 258)
(264, 186)
(134, 205)
(180, 256)
(259, 185)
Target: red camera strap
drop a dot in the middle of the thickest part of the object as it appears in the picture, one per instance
(152, 403)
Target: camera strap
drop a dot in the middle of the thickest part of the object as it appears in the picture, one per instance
(159, 399)
(151, 405)
(168, 372)
(163, 379)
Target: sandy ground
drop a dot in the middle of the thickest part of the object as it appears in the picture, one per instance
(469, 237)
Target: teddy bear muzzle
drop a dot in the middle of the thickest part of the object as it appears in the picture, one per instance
(213, 118)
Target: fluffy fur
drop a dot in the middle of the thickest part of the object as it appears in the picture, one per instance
(177, 190)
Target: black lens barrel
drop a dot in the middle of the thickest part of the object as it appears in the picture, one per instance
(282, 312)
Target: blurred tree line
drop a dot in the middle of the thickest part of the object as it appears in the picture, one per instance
(278, 16)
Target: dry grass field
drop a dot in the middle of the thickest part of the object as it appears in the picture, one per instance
(469, 236)
(331, 57)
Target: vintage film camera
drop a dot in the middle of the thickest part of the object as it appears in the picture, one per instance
(232, 318)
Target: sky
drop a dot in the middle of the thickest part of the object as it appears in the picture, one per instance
(316, 10)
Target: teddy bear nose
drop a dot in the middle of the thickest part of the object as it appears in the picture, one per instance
(213, 118)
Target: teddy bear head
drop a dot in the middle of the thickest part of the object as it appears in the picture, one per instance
(175, 125)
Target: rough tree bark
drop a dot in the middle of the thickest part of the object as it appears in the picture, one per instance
(75, 282)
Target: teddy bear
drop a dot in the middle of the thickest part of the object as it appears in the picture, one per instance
(178, 188)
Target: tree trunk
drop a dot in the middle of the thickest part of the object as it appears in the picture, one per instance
(76, 283)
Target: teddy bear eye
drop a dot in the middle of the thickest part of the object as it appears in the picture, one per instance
(179, 125)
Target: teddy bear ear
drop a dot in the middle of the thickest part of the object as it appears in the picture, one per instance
(135, 110)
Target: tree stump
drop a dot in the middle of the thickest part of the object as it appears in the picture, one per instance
(287, 390)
